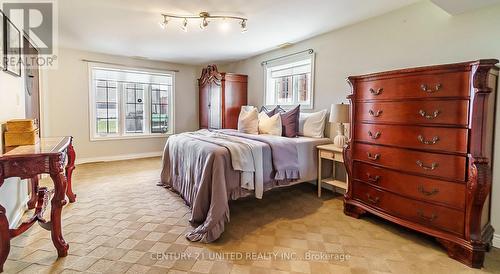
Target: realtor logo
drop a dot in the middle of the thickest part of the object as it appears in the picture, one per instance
(36, 20)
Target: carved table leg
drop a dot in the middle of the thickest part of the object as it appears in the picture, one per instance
(4, 238)
(34, 192)
(69, 173)
(57, 203)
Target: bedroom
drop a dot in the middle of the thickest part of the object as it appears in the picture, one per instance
(154, 70)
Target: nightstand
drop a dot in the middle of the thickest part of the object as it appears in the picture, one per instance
(332, 153)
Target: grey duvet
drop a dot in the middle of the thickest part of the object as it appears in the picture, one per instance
(200, 171)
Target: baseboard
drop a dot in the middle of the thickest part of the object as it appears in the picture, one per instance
(19, 213)
(496, 240)
(118, 157)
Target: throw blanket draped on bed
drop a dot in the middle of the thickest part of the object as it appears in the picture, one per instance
(200, 169)
(246, 156)
(284, 151)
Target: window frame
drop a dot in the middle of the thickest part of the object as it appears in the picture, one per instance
(288, 60)
(122, 135)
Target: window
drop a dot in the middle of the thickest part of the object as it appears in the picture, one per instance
(289, 81)
(128, 103)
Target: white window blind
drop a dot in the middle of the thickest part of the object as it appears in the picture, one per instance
(289, 81)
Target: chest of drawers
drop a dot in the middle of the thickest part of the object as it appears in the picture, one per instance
(421, 151)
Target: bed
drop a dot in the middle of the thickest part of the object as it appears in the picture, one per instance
(208, 168)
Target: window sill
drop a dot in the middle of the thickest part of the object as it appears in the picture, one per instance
(129, 137)
(302, 107)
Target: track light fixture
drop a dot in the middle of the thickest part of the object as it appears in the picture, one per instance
(203, 16)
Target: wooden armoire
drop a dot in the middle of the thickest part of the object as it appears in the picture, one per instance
(221, 97)
(421, 152)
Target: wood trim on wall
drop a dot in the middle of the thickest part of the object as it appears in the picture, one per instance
(118, 157)
(496, 240)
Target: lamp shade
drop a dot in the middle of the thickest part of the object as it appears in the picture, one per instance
(339, 113)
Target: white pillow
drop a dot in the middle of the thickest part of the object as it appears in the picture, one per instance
(312, 124)
(270, 125)
(248, 121)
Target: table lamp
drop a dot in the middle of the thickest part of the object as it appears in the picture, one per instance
(340, 114)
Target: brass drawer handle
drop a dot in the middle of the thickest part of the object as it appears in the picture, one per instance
(422, 190)
(424, 114)
(376, 92)
(422, 140)
(425, 88)
(373, 179)
(375, 114)
(374, 136)
(421, 214)
(373, 157)
(372, 200)
(432, 167)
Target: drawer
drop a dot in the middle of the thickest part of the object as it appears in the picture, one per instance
(426, 138)
(327, 154)
(439, 217)
(451, 84)
(420, 188)
(335, 156)
(450, 112)
(448, 167)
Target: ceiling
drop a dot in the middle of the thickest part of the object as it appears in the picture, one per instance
(130, 27)
(460, 6)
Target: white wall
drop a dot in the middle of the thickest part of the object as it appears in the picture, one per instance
(418, 35)
(13, 193)
(66, 105)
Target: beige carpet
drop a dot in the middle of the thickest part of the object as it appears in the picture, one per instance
(123, 223)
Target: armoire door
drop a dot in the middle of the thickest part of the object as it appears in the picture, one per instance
(31, 79)
(215, 117)
(204, 105)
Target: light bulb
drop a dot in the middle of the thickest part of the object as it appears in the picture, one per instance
(184, 25)
(224, 26)
(204, 24)
(243, 26)
(163, 24)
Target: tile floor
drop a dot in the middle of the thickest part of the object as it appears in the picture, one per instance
(124, 223)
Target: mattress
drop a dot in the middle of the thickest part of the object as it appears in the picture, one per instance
(308, 156)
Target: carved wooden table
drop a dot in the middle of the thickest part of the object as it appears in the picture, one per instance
(27, 162)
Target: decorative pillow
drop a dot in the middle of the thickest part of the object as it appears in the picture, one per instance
(312, 124)
(290, 122)
(270, 125)
(248, 121)
(267, 111)
(276, 109)
(279, 109)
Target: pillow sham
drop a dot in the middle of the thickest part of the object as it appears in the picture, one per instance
(279, 109)
(267, 111)
(312, 124)
(270, 125)
(290, 122)
(248, 120)
(276, 109)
